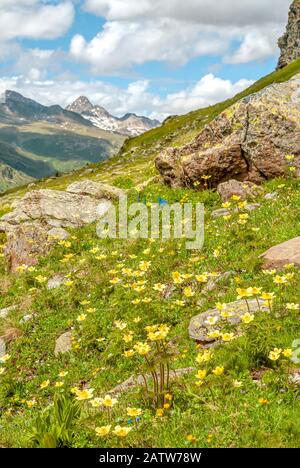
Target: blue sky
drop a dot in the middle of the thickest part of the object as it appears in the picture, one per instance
(154, 57)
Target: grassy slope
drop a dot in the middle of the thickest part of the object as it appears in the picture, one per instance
(216, 414)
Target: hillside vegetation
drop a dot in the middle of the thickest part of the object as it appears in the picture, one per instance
(128, 305)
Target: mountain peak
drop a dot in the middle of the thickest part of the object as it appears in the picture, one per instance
(80, 105)
(289, 43)
(129, 125)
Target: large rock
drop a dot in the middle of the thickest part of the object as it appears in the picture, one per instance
(58, 233)
(198, 328)
(63, 344)
(282, 254)
(97, 190)
(38, 219)
(247, 142)
(139, 380)
(244, 190)
(289, 43)
(25, 244)
(56, 208)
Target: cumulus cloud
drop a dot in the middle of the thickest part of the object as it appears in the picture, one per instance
(256, 45)
(121, 45)
(34, 19)
(225, 12)
(173, 31)
(135, 98)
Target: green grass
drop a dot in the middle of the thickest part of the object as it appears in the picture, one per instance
(216, 414)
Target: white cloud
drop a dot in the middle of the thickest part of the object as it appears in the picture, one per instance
(256, 45)
(175, 31)
(34, 19)
(225, 12)
(135, 98)
(121, 45)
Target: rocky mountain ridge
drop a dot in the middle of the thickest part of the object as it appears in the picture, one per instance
(289, 43)
(17, 109)
(129, 125)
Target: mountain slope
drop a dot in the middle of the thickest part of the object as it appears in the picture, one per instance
(39, 141)
(129, 124)
(15, 108)
(134, 163)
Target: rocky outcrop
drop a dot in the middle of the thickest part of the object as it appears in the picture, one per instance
(289, 43)
(96, 190)
(283, 254)
(244, 190)
(199, 327)
(38, 220)
(247, 142)
(225, 212)
(139, 380)
(63, 344)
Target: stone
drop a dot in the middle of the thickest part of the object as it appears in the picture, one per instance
(63, 344)
(39, 219)
(26, 318)
(295, 378)
(244, 190)
(136, 381)
(58, 233)
(271, 196)
(282, 254)
(213, 283)
(248, 142)
(56, 208)
(224, 212)
(96, 190)
(198, 328)
(25, 244)
(5, 312)
(289, 43)
(55, 282)
(2, 348)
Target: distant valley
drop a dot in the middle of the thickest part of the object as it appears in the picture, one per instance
(37, 141)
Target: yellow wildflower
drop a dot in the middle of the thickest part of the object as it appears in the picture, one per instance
(84, 394)
(45, 384)
(122, 431)
(218, 371)
(142, 348)
(134, 412)
(287, 353)
(247, 318)
(103, 431)
(188, 292)
(109, 402)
